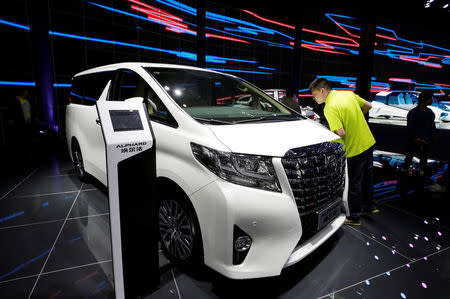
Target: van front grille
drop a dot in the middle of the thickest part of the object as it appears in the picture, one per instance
(316, 174)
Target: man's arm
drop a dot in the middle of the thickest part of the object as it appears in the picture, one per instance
(366, 107)
(434, 137)
(340, 132)
(334, 121)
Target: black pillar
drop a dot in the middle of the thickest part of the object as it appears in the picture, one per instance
(366, 48)
(297, 55)
(42, 59)
(201, 33)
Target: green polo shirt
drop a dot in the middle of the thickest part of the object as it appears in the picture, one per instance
(343, 110)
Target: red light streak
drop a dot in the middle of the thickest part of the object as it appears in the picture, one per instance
(401, 80)
(390, 182)
(172, 29)
(331, 35)
(321, 49)
(441, 93)
(422, 61)
(386, 37)
(86, 277)
(227, 38)
(328, 43)
(268, 20)
(433, 65)
(442, 84)
(55, 294)
(346, 31)
(173, 23)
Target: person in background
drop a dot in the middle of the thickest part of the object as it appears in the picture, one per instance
(344, 111)
(421, 131)
(21, 123)
(291, 100)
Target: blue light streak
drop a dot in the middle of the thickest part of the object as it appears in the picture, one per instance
(239, 71)
(216, 59)
(179, 6)
(12, 216)
(266, 68)
(181, 54)
(25, 264)
(382, 193)
(62, 85)
(75, 239)
(249, 29)
(17, 83)
(15, 25)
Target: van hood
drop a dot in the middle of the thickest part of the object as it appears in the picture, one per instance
(271, 139)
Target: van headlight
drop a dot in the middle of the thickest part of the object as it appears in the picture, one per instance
(246, 170)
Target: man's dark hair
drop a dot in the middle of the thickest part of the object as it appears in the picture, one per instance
(319, 83)
(290, 92)
(425, 96)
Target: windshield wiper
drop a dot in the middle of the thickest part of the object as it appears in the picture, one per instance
(268, 117)
(212, 121)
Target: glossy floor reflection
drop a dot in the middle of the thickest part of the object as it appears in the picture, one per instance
(54, 232)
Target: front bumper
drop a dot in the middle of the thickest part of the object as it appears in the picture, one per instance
(271, 219)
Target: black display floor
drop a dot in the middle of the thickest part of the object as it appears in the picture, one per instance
(54, 233)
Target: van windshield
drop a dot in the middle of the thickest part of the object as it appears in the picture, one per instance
(218, 98)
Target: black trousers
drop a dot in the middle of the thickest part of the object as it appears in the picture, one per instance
(419, 148)
(360, 192)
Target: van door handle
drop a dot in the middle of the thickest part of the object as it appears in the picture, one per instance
(98, 122)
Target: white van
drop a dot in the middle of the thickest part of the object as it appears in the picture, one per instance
(247, 187)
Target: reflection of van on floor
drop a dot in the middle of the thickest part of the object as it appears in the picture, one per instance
(245, 185)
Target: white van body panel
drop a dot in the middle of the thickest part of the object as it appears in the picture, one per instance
(272, 139)
(270, 218)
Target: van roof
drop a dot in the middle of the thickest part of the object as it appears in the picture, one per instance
(115, 66)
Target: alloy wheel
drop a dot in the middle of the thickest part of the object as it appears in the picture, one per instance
(176, 229)
(78, 161)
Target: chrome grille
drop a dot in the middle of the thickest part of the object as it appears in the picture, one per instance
(316, 174)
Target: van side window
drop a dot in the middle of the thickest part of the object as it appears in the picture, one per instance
(76, 91)
(157, 111)
(94, 86)
(87, 89)
(130, 85)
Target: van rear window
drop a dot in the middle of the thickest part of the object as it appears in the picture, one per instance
(86, 89)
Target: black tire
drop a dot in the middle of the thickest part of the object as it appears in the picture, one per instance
(179, 231)
(78, 163)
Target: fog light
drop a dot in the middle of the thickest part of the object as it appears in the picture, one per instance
(243, 243)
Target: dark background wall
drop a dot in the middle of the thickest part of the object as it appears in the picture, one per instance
(273, 45)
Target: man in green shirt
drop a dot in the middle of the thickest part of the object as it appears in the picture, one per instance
(344, 111)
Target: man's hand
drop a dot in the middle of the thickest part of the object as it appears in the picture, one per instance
(366, 107)
(340, 132)
(419, 140)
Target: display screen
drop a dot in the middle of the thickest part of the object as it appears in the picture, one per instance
(125, 120)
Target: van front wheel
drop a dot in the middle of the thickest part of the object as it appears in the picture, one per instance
(179, 233)
(78, 164)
